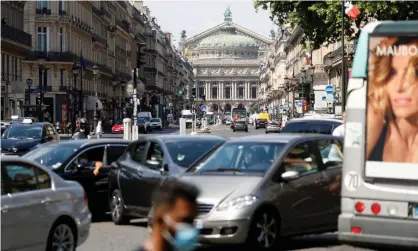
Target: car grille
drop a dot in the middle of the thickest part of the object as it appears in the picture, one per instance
(204, 208)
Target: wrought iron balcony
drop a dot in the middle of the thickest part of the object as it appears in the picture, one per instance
(122, 3)
(16, 35)
(62, 12)
(98, 39)
(123, 24)
(105, 13)
(43, 11)
(96, 11)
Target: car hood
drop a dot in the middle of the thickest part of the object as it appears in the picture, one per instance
(21, 144)
(216, 188)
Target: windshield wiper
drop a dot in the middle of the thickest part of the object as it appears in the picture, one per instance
(223, 170)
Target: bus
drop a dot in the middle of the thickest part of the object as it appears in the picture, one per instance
(379, 194)
(238, 113)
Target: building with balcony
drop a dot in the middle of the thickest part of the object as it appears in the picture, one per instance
(15, 44)
(226, 59)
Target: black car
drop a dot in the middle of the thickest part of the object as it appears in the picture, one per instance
(75, 160)
(20, 138)
(261, 123)
(146, 163)
(314, 125)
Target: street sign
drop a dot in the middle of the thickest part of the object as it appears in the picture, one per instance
(324, 98)
(29, 82)
(300, 103)
(130, 88)
(203, 108)
(329, 89)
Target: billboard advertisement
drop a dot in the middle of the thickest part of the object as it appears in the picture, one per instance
(392, 107)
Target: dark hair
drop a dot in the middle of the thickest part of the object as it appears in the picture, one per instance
(171, 190)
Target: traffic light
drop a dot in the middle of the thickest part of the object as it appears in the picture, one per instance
(193, 92)
(140, 56)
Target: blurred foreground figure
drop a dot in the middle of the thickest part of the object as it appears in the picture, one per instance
(175, 209)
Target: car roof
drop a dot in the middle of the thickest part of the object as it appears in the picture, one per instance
(170, 138)
(308, 119)
(80, 143)
(41, 124)
(281, 138)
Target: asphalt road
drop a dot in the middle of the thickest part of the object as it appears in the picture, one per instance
(105, 236)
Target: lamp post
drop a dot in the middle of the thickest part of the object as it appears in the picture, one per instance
(95, 72)
(75, 70)
(41, 65)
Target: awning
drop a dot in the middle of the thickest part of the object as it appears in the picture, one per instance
(91, 103)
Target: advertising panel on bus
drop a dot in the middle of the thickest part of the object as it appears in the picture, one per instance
(392, 107)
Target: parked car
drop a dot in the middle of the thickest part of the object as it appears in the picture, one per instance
(261, 123)
(20, 138)
(75, 160)
(311, 125)
(146, 121)
(228, 121)
(273, 126)
(156, 123)
(143, 126)
(240, 125)
(255, 189)
(117, 128)
(147, 162)
(40, 210)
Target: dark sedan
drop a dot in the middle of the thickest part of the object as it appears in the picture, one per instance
(76, 159)
(20, 138)
(312, 125)
(240, 125)
(261, 123)
(147, 162)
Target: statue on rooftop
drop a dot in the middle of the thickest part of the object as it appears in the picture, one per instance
(228, 14)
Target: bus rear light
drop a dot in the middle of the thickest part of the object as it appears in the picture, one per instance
(376, 208)
(356, 230)
(359, 207)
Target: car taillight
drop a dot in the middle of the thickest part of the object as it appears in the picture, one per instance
(376, 208)
(359, 207)
(86, 200)
(356, 230)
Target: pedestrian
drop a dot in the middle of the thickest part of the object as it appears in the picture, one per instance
(340, 130)
(175, 208)
(99, 130)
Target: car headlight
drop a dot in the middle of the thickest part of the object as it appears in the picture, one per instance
(237, 203)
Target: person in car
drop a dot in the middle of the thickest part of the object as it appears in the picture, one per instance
(97, 165)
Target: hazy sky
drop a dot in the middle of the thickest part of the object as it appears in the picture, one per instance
(196, 16)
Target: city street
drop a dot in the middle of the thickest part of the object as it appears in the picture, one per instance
(106, 236)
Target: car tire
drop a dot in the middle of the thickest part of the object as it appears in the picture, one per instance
(62, 231)
(266, 223)
(161, 128)
(117, 209)
(256, 128)
(246, 130)
(267, 132)
(233, 130)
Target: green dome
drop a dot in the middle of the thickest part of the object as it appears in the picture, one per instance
(227, 40)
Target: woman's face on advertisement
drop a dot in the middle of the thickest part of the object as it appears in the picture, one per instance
(403, 97)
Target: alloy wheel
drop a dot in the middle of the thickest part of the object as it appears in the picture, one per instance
(63, 238)
(267, 230)
(116, 207)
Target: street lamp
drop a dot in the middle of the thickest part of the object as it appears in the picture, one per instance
(41, 65)
(95, 72)
(75, 70)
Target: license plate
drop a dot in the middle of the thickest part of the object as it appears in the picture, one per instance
(198, 223)
(416, 211)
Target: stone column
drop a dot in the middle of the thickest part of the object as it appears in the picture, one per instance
(234, 90)
(207, 90)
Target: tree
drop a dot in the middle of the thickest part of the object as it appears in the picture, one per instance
(321, 20)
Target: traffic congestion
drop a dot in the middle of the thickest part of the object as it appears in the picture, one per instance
(233, 179)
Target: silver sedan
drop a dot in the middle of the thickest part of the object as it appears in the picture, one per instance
(40, 210)
(273, 126)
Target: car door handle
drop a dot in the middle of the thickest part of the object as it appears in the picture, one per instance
(46, 201)
(4, 209)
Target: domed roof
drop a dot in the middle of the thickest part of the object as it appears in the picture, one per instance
(227, 40)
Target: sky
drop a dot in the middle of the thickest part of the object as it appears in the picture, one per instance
(196, 16)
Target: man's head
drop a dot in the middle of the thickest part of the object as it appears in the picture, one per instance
(177, 201)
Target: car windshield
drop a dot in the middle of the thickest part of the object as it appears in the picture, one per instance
(247, 157)
(145, 118)
(185, 153)
(141, 121)
(51, 156)
(240, 122)
(273, 123)
(155, 120)
(22, 132)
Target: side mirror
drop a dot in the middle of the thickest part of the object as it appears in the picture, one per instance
(290, 175)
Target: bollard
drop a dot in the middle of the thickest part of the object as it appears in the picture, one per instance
(127, 129)
(134, 132)
(182, 126)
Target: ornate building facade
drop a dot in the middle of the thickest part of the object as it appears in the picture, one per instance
(226, 59)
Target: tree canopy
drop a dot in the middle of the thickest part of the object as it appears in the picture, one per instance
(321, 21)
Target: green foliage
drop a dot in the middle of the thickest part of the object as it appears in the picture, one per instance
(321, 20)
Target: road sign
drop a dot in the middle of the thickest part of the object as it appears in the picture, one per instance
(203, 108)
(324, 98)
(330, 98)
(329, 89)
(300, 103)
(29, 82)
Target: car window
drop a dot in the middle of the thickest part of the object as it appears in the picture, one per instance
(301, 159)
(321, 128)
(22, 132)
(114, 153)
(156, 152)
(50, 130)
(88, 156)
(44, 180)
(155, 120)
(137, 151)
(249, 157)
(331, 152)
(296, 128)
(51, 156)
(185, 153)
(19, 178)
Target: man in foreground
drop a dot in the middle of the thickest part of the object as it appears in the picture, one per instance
(175, 208)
